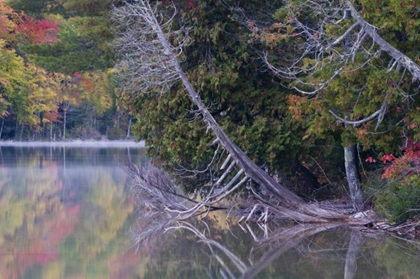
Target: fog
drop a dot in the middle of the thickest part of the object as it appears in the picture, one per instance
(76, 143)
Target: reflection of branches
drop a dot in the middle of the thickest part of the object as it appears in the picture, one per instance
(274, 246)
(265, 249)
(226, 257)
(150, 225)
(280, 242)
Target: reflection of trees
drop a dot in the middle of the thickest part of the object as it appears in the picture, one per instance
(98, 234)
(197, 248)
(350, 268)
(48, 236)
(32, 219)
(398, 258)
(274, 246)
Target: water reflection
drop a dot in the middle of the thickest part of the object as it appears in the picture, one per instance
(65, 212)
(215, 248)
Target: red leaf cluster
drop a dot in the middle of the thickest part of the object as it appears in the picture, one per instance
(370, 160)
(42, 31)
(387, 158)
(406, 165)
(52, 116)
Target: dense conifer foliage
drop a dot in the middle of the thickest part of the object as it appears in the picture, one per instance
(292, 83)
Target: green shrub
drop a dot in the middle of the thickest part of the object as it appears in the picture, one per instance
(400, 200)
(115, 133)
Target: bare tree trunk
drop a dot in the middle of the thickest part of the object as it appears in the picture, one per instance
(21, 131)
(16, 129)
(51, 130)
(65, 107)
(64, 123)
(352, 175)
(128, 128)
(2, 125)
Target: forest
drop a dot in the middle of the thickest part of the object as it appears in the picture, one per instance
(307, 100)
(56, 72)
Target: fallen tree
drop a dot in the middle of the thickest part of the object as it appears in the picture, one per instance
(150, 52)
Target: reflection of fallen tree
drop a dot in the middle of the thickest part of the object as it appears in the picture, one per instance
(247, 250)
(280, 242)
(265, 249)
(154, 227)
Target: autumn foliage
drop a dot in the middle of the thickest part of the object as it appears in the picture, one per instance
(400, 200)
(42, 31)
(406, 165)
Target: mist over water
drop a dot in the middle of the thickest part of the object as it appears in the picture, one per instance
(76, 143)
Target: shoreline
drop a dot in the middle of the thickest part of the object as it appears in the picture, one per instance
(77, 143)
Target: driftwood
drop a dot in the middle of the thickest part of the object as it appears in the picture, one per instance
(157, 194)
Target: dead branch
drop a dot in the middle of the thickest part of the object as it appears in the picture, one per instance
(319, 46)
(377, 114)
(403, 60)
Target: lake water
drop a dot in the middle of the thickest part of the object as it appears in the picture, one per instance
(66, 212)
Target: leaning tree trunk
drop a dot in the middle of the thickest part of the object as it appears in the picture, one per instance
(144, 34)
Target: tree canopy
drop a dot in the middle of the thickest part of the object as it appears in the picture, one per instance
(56, 71)
(306, 77)
(311, 91)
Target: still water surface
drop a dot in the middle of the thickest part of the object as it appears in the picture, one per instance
(67, 212)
